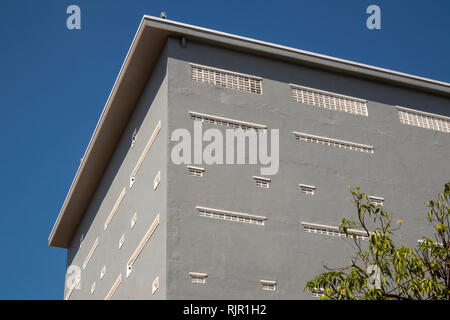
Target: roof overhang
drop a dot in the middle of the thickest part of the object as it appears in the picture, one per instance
(144, 51)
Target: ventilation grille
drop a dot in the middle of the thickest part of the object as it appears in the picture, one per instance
(424, 120)
(309, 190)
(376, 201)
(262, 182)
(196, 171)
(317, 292)
(334, 142)
(226, 79)
(334, 231)
(197, 277)
(268, 285)
(114, 287)
(226, 121)
(231, 216)
(329, 100)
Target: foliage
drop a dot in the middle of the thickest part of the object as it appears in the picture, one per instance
(381, 270)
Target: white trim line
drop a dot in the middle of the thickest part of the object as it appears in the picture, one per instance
(432, 115)
(140, 247)
(375, 198)
(198, 274)
(307, 186)
(91, 252)
(75, 283)
(114, 287)
(196, 168)
(100, 122)
(239, 122)
(338, 95)
(333, 140)
(261, 178)
(114, 209)
(226, 71)
(268, 282)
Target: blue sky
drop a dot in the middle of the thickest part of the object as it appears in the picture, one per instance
(54, 83)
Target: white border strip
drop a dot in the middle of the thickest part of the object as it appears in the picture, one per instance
(141, 245)
(198, 274)
(114, 209)
(261, 178)
(196, 168)
(307, 186)
(144, 153)
(91, 252)
(114, 287)
(376, 198)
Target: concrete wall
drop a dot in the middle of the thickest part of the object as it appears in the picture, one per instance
(409, 166)
(141, 198)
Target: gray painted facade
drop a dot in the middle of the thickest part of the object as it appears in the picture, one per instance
(409, 165)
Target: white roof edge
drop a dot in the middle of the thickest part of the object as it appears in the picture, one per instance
(100, 122)
(294, 50)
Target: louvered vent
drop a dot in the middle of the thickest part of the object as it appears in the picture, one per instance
(226, 79)
(231, 216)
(334, 231)
(197, 277)
(334, 142)
(329, 100)
(376, 201)
(306, 189)
(196, 171)
(424, 120)
(225, 121)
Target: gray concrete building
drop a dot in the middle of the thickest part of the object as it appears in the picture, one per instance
(136, 225)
